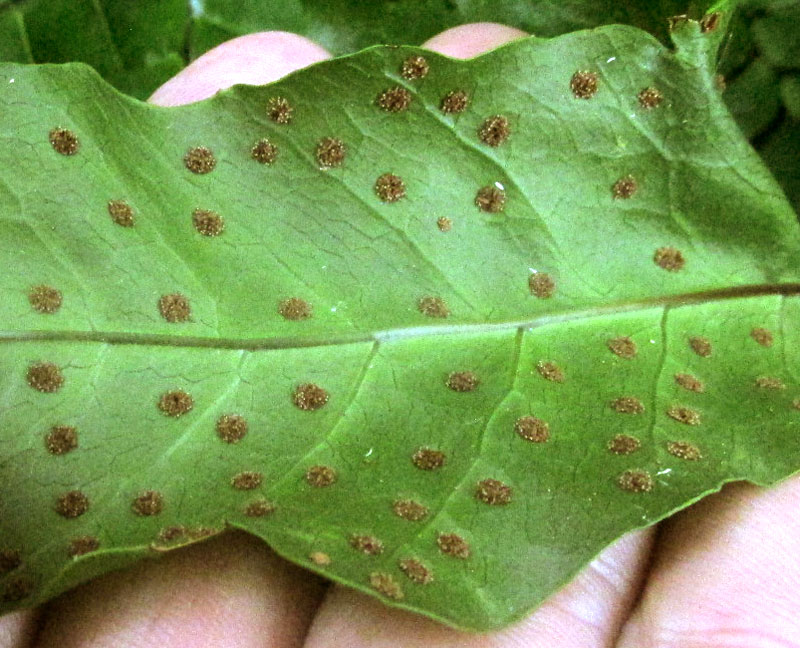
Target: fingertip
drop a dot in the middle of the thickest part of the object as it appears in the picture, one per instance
(466, 41)
(254, 59)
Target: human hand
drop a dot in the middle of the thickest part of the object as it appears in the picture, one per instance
(722, 574)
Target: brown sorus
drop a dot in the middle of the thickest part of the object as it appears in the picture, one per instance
(770, 382)
(64, 141)
(635, 481)
(623, 444)
(462, 381)
(409, 509)
(583, 84)
(394, 99)
(319, 558)
(627, 405)
(625, 187)
(541, 285)
(366, 544)
(433, 307)
(82, 545)
(200, 160)
(320, 476)
(444, 224)
(493, 492)
(669, 259)
(453, 545)
(247, 480)
(623, 347)
(494, 130)
(491, 199)
(385, 584)
(121, 213)
(295, 309)
(61, 439)
(231, 428)
(428, 459)
(280, 110)
(685, 415)
(763, 336)
(532, 429)
(175, 403)
(416, 571)
(414, 67)
(689, 382)
(148, 503)
(264, 151)
(684, 450)
(45, 299)
(309, 397)
(455, 101)
(208, 222)
(45, 377)
(390, 187)
(72, 504)
(550, 371)
(650, 97)
(701, 346)
(175, 308)
(330, 152)
(259, 508)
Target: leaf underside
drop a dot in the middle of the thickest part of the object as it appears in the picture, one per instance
(452, 407)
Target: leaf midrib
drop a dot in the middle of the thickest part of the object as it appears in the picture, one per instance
(388, 335)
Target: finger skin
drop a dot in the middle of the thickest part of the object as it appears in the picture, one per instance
(726, 574)
(229, 592)
(17, 629)
(254, 59)
(467, 41)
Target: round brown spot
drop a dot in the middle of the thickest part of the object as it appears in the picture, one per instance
(689, 382)
(64, 141)
(583, 84)
(280, 110)
(532, 429)
(386, 584)
(428, 459)
(635, 481)
(309, 397)
(462, 381)
(319, 558)
(494, 130)
(762, 336)
(10, 559)
(82, 545)
(701, 346)
(231, 428)
(247, 480)
(550, 371)
(491, 199)
(200, 160)
(669, 259)
(433, 307)
(148, 503)
(770, 382)
(684, 450)
(264, 151)
(452, 544)
(623, 444)
(72, 504)
(259, 508)
(366, 544)
(541, 285)
(295, 309)
(172, 533)
(623, 347)
(409, 509)
(121, 213)
(624, 187)
(207, 222)
(416, 571)
(61, 439)
(414, 67)
(390, 188)
(685, 415)
(394, 99)
(45, 377)
(175, 308)
(17, 589)
(627, 405)
(444, 224)
(45, 299)
(710, 22)
(175, 403)
(455, 101)
(320, 476)
(330, 152)
(493, 492)
(650, 97)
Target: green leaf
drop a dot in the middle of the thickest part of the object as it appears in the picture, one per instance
(620, 337)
